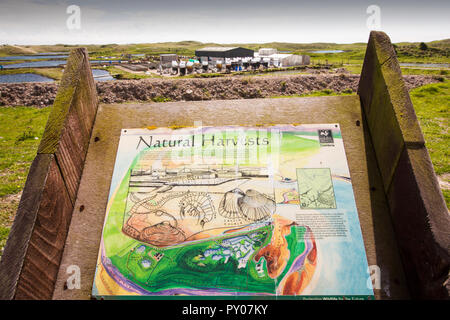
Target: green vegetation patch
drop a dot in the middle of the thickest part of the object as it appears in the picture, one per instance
(21, 129)
(121, 74)
(318, 93)
(432, 106)
(425, 71)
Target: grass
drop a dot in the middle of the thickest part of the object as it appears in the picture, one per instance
(432, 106)
(161, 99)
(320, 93)
(7, 50)
(357, 68)
(202, 75)
(437, 52)
(431, 72)
(54, 73)
(123, 75)
(19, 128)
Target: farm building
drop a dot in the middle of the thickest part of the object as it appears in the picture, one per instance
(290, 60)
(283, 59)
(168, 58)
(267, 51)
(224, 52)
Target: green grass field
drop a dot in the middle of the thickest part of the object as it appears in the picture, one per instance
(432, 105)
(21, 129)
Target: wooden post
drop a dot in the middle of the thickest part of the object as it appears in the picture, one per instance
(418, 210)
(30, 262)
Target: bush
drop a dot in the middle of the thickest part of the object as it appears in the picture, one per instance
(28, 134)
(439, 78)
(423, 46)
(161, 99)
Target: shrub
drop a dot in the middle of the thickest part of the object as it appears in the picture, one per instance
(327, 91)
(28, 134)
(423, 46)
(161, 99)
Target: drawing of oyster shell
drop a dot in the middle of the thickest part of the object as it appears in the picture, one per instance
(229, 207)
(255, 206)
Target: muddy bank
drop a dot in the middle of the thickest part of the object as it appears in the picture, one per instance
(43, 94)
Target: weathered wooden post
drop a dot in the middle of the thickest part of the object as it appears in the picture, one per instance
(31, 258)
(418, 210)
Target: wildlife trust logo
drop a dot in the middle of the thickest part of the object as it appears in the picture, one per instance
(325, 137)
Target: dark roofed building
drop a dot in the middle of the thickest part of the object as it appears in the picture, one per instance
(224, 52)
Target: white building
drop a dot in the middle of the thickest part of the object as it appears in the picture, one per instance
(264, 52)
(282, 59)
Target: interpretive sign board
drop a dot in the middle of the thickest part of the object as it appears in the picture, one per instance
(232, 211)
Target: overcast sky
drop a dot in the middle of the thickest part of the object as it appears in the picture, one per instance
(224, 21)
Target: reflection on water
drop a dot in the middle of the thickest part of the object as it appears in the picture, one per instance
(101, 75)
(33, 57)
(23, 77)
(36, 64)
(57, 59)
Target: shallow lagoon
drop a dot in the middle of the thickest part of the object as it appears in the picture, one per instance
(23, 77)
(99, 75)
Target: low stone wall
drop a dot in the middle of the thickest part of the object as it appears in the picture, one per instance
(43, 94)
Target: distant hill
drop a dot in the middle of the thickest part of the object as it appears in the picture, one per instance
(188, 47)
(440, 43)
(6, 50)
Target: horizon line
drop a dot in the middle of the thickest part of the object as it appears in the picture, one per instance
(207, 42)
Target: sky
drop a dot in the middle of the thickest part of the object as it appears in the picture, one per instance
(226, 21)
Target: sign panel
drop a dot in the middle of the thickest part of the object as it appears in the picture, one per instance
(232, 211)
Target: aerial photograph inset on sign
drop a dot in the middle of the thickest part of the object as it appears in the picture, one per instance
(315, 188)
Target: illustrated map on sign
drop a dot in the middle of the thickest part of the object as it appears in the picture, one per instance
(232, 211)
